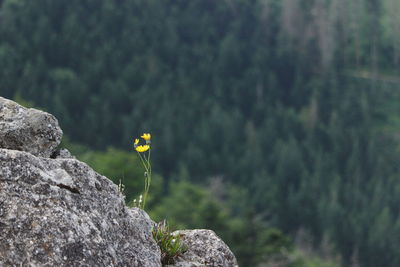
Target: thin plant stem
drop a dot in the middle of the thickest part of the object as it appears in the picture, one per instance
(148, 160)
(147, 180)
(143, 162)
(145, 159)
(149, 168)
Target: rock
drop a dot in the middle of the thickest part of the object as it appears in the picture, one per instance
(59, 212)
(29, 130)
(62, 153)
(205, 249)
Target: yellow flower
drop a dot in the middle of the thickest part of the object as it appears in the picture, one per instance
(142, 148)
(146, 136)
(136, 142)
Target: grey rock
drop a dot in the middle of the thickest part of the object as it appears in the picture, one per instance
(62, 153)
(29, 130)
(205, 249)
(59, 212)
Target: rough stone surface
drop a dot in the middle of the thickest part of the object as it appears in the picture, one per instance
(205, 249)
(59, 212)
(62, 153)
(29, 130)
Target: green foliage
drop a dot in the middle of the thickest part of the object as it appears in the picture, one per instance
(193, 207)
(295, 102)
(171, 246)
(301, 260)
(121, 167)
(250, 239)
(18, 98)
(118, 165)
(253, 242)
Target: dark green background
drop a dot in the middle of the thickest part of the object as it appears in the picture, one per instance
(266, 114)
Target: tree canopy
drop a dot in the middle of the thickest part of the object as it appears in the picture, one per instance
(294, 101)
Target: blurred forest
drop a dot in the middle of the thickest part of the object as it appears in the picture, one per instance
(275, 122)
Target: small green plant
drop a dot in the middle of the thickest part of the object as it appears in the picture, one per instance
(145, 159)
(171, 246)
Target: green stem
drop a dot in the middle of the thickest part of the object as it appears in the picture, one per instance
(147, 179)
(143, 162)
(149, 164)
(146, 166)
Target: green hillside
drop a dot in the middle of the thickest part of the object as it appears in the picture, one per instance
(275, 117)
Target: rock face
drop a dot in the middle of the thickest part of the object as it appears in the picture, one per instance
(205, 248)
(57, 211)
(30, 130)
